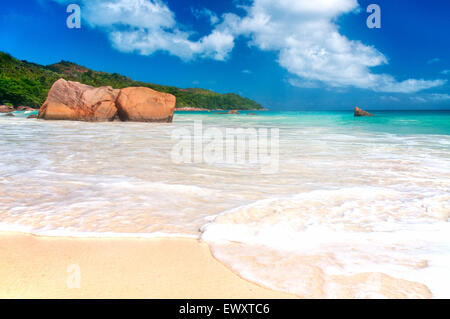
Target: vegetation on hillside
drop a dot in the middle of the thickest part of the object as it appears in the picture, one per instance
(25, 83)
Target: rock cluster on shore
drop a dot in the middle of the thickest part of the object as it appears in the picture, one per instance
(191, 109)
(8, 109)
(69, 100)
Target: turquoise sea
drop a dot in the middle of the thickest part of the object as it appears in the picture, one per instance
(351, 206)
(393, 122)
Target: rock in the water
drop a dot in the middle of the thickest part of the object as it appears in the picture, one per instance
(69, 100)
(9, 114)
(32, 116)
(145, 105)
(24, 108)
(233, 112)
(359, 112)
(6, 109)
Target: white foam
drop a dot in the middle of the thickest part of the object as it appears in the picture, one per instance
(79, 234)
(362, 230)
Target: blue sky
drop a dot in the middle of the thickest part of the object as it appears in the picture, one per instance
(286, 54)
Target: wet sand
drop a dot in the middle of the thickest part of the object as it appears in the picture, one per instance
(53, 267)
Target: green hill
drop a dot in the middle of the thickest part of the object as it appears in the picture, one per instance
(26, 83)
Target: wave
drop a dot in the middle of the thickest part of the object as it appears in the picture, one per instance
(332, 234)
(83, 234)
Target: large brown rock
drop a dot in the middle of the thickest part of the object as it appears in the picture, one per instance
(145, 105)
(360, 112)
(69, 100)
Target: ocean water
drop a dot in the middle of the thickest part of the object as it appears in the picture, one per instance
(358, 207)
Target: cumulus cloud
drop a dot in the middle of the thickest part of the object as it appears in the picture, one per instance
(389, 98)
(434, 60)
(440, 96)
(304, 84)
(418, 99)
(148, 26)
(216, 45)
(304, 34)
(309, 45)
(386, 83)
(205, 13)
(432, 97)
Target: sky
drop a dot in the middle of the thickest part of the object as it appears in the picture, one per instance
(285, 54)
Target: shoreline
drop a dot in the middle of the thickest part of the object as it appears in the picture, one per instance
(199, 109)
(34, 266)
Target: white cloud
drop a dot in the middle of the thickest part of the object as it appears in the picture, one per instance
(217, 45)
(440, 96)
(386, 83)
(434, 60)
(148, 26)
(304, 34)
(418, 99)
(389, 98)
(309, 45)
(304, 84)
(433, 97)
(211, 16)
(153, 15)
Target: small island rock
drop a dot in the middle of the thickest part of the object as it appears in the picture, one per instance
(360, 112)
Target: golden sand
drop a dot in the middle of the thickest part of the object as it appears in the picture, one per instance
(53, 267)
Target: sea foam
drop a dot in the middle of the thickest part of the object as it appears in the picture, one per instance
(339, 232)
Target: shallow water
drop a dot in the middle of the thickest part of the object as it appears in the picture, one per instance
(352, 196)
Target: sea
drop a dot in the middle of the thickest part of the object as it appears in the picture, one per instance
(350, 207)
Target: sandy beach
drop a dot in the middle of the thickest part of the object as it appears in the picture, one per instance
(40, 267)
